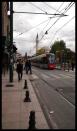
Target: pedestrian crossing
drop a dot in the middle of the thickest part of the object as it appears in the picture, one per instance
(57, 76)
(45, 76)
(54, 76)
(65, 76)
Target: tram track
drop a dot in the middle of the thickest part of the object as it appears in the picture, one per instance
(58, 89)
(57, 106)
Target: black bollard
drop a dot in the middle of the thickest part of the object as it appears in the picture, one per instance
(32, 120)
(27, 98)
(25, 85)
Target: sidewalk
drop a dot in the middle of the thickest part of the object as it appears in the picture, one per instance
(16, 112)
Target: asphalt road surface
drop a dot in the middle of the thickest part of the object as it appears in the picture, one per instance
(56, 92)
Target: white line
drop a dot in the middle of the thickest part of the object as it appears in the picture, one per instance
(67, 101)
(34, 76)
(65, 76)
(45, 76)
(55, 76)
(71, 75)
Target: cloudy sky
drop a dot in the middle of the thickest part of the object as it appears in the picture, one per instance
(27, 25)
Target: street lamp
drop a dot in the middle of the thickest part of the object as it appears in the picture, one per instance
(46, 33)
(11, 43)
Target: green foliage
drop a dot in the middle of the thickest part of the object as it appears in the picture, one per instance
(58, 46)
(62, 53)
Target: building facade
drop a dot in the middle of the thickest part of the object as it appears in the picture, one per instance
(5, 34)
(5, 18)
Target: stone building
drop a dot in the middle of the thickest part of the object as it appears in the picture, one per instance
(5, 34)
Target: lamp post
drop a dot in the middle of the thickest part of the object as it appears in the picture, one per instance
(1, 46)
(11, 43)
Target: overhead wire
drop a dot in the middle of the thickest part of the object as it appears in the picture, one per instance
(52, 17)
(64, 24)
(45, 26)
(54, 22)
(37, 7)
(66, 9)
(71, 3)
(37, 13)
(31, 12)
(33, 27)
(53, 7)
(36, 26)
(62, 27)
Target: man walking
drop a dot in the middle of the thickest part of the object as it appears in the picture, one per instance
(19, 70)
(28, 66)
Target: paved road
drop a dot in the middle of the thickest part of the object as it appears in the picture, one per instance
(56, 91)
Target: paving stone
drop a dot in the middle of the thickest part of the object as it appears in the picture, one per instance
(15, 112)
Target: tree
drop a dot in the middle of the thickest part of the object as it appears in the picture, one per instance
(58, 46)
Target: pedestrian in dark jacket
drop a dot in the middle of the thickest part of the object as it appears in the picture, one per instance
(28, 66)
(19, 70)
(72, 64)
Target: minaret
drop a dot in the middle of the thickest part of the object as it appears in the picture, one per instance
(36, 43)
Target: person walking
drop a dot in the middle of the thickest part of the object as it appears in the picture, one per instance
(68, 65)
(19, 70)
(28, 66)
(72, 65)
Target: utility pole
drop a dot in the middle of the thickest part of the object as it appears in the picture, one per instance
(11, 43)
(1, 48)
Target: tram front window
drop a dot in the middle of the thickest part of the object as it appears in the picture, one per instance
(51, 59)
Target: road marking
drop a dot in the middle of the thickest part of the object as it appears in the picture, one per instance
(45, 76)
(51, 112)
(65, 76)
(71, 75)
(55, 76)
(67, 101)
(34, 76)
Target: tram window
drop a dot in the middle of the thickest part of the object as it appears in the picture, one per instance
(51, 59)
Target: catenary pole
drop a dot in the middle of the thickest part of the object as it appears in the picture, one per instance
(11, 43)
